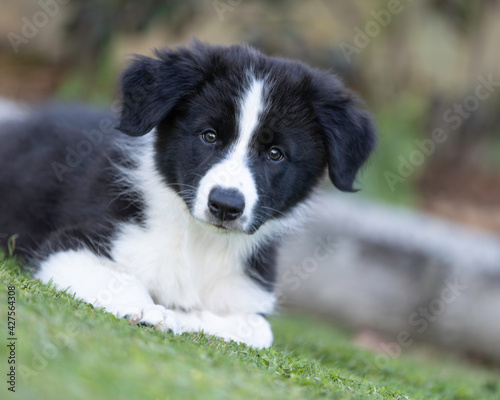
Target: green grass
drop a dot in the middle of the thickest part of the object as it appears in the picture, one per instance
(67, 349)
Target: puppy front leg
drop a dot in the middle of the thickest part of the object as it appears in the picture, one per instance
(251, 329)
(95, 279)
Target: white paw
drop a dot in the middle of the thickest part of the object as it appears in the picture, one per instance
(158, 317)
(255, 331)
(250, 329)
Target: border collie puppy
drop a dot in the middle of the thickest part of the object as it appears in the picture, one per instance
(169, 215)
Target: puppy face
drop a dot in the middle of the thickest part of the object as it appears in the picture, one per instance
(241, 137)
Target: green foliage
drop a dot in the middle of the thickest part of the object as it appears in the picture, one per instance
(398, 125)
(493, 153)
(67, 349)
(96, 84)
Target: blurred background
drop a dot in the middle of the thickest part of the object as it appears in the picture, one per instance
(414, 257)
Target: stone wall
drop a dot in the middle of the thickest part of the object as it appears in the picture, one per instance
(401, 273)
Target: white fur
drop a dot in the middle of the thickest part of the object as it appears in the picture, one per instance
(173, 261)
(96, 280)
(183, 262)
(233, 171)
(176, 272)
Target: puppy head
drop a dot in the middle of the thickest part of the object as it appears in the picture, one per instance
(241, 137)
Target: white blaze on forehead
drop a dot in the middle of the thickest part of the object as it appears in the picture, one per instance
(250, 110)
(233, 171)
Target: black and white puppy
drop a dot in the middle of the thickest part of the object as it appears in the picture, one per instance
(175, 224)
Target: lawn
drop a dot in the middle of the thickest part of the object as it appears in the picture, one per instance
(66, 349)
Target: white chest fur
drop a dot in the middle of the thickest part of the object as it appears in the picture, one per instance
(185, 263)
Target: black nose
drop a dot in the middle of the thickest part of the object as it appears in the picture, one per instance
(226, 204)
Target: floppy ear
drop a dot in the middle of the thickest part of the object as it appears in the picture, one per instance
(348, 131)
(151, 87)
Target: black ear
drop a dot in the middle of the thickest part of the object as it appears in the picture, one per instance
(151, 87)
(348, 131)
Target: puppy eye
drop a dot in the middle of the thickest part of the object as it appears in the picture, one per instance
(275, 154)
(209, 136)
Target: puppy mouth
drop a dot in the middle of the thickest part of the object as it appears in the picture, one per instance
(223, 226)
(219, 226)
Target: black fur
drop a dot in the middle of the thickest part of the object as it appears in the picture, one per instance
(182, 92)
(54, 198)
(261, 265)
(348, 131)
(312, 116)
